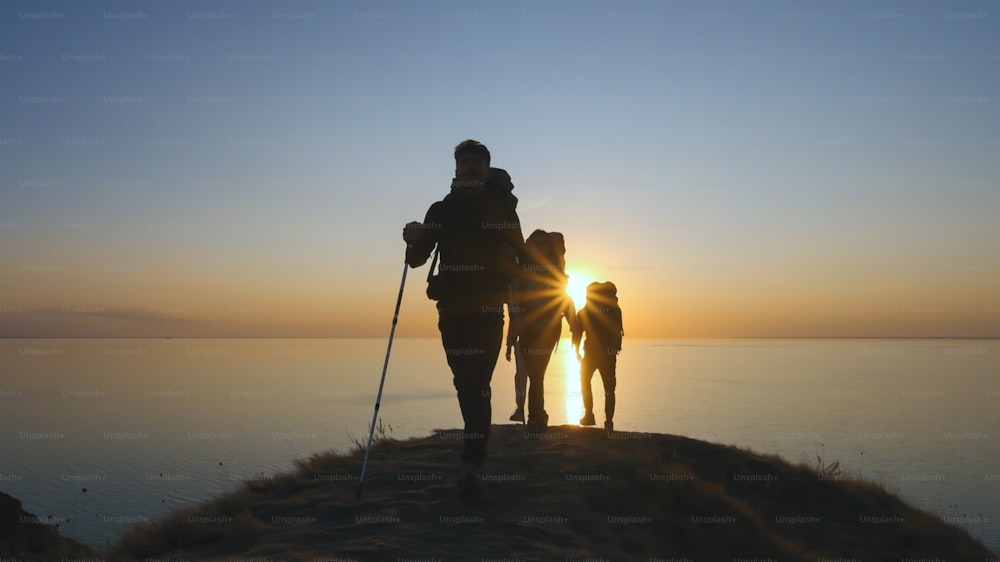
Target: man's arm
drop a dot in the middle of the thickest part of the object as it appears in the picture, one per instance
(569, 311)
(515, 237)
(511, 245)
(422, 237)
(577, 329)
(514, 312)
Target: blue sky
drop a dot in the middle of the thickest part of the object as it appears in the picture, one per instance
(737, 168)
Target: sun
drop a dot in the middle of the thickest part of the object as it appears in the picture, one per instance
(576, 288)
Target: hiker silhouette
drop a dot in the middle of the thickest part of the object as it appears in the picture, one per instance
(476, 233)
(600, 321)
(538, 305)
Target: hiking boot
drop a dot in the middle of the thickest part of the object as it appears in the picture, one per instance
(518, 415)
(609, 425)
(588, 419)
(539, 423)
(470, 488)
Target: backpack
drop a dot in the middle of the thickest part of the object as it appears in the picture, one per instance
(500, 186)
(604, 316)
(551, 260)
(543, 281)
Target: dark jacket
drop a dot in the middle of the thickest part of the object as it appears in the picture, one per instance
(603, 326)
(471, 233)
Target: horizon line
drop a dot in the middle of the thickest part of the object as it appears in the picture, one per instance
(438, 337)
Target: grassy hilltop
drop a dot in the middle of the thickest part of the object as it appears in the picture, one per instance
(571, 493)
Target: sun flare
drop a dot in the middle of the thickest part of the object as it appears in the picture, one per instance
(574, 398)
(576, 288)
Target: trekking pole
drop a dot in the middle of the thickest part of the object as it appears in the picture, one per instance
(378, 397)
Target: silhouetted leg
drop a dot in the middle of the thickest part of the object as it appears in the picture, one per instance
(536, 356)
(587, 368)
(472, 345)
(608, 378)
(520, 378)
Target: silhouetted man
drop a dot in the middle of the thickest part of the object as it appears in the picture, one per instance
(478, 237)
(600, 320)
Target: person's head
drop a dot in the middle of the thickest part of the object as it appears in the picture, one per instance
(472, 161)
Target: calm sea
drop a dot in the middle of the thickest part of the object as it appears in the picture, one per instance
(146, 425)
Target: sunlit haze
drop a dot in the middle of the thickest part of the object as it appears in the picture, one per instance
(576, 288)
(787, 169)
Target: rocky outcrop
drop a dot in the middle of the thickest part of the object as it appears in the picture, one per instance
(26, 538)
